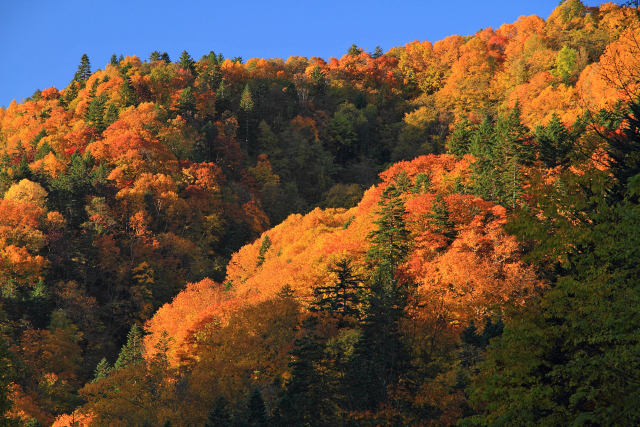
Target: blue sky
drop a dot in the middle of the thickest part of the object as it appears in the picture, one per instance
(42, 40)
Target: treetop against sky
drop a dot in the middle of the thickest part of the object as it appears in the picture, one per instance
(42, 41)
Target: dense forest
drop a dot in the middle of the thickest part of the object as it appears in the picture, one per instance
(444, 233)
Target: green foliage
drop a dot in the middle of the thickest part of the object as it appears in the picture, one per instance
(84, 70)
(343, 297)
(264, 247)
(187, 63)
(565, 66)
(132, 351)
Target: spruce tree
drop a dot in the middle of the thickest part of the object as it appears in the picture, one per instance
(308, 398)
(102, 370)
(187, 63)
(127, 93)
(439, 220)
(380, 356)
(132, 352)
(220, 415)
(460, 138)
(246, 105)
(555, 142)
(264, 247)
(256, 411)
(84, 70)
(343, 297)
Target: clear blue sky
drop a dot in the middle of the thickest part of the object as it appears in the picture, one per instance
(41, 41)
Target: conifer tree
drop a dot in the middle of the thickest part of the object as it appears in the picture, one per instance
(246, 105)
(256, 411)
(102, 370)
(131, 352)
(127, 93)
(554, 142)
(439, 219)
(264, 247)
(84, 70)
(308, 398)
(187, 63)
(460, 138)
(220, 415)
(343, 297)
(380, 356)
(114, 60)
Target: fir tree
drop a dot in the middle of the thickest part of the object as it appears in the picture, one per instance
(308, 399)
(343, 297)
(256, 411)
(380, 356)
(187, 63)
(439, 220)
(96, 111)
(460, 138)
(114, 60)
(127, 93)
(220, 415)
(264, 247)
(132, 352)
(84, 70)
(555, 142)
(102, 370)
(246, 105)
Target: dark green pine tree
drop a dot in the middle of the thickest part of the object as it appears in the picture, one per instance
(84, 70)
(155, 56)
(187, 63)
(624, 151)
(555, 142)
(114, 60)
(308, 398)
(256, 411)
(220, 415)
(264, 247)
(460, 138)
(187, 103)
(342, 298)
(246, 105)
(127, 93)
(96, 112)
(511, 152)
(110, 115)
(485, 175)
(377, 53)
(165, 57)
(380, 356)
(439, 218)
(132, 352)
(102, 370)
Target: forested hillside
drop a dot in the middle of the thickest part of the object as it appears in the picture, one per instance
(443, 233)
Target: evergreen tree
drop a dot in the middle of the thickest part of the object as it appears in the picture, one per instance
(460, 138)
(308, 398)
(246, 105)
(110, 115)
(256, 411)
(84, 70)
(380, 356)
(114, 60)
(512, 152)
(187, 102)
(439, 220)
(102, 370)
(96, 111)
(220, 415)
(187, 63)
(165, 58)
(132, 352)
(154, 56)
(343, 297)
(264, 247)
(377, 53)
(127, 93)
(354, 50)
(555, 142)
